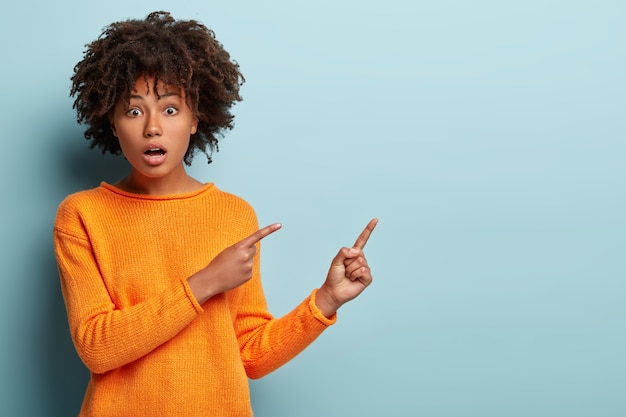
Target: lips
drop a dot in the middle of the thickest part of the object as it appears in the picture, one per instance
(154, 154)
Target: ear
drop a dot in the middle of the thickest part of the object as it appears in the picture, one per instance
(112, 124)
(194, 125)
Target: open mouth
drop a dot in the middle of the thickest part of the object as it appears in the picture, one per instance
(154, 152)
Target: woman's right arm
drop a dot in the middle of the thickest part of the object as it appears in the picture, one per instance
(105, 336)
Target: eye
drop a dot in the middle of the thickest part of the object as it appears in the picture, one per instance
(134, 112)
(171, 111)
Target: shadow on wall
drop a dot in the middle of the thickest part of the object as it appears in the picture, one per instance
(64, 375)
(83, 168)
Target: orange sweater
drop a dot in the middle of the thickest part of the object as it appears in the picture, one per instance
(152, 350)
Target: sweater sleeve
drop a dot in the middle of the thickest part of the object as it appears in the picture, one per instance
(106, 337)
(267, 343)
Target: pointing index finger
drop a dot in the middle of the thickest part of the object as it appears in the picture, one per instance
(365, 234)
(260, 234)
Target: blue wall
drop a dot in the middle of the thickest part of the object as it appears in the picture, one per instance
(487, 136)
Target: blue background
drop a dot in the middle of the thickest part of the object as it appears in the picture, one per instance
(487, 136)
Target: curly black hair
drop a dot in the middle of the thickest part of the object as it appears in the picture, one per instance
(183, 53)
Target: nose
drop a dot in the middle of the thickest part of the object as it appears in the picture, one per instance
(153, 126)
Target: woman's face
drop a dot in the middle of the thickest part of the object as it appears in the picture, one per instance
(154, 129)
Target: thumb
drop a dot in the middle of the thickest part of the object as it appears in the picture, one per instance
(343, 254)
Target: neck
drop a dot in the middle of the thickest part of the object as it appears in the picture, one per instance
(139, 184)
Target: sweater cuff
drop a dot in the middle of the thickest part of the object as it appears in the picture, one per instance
(191, 297)
(318, 314)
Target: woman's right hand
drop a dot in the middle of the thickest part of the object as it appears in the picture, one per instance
(230, 268)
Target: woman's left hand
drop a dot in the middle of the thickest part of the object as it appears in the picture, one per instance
(348, 276)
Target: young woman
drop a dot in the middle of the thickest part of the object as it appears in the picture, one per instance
(160, 272)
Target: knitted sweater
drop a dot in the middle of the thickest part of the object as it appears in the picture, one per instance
(152, 350)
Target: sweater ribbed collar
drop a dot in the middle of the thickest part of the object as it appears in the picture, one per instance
(207, 187)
